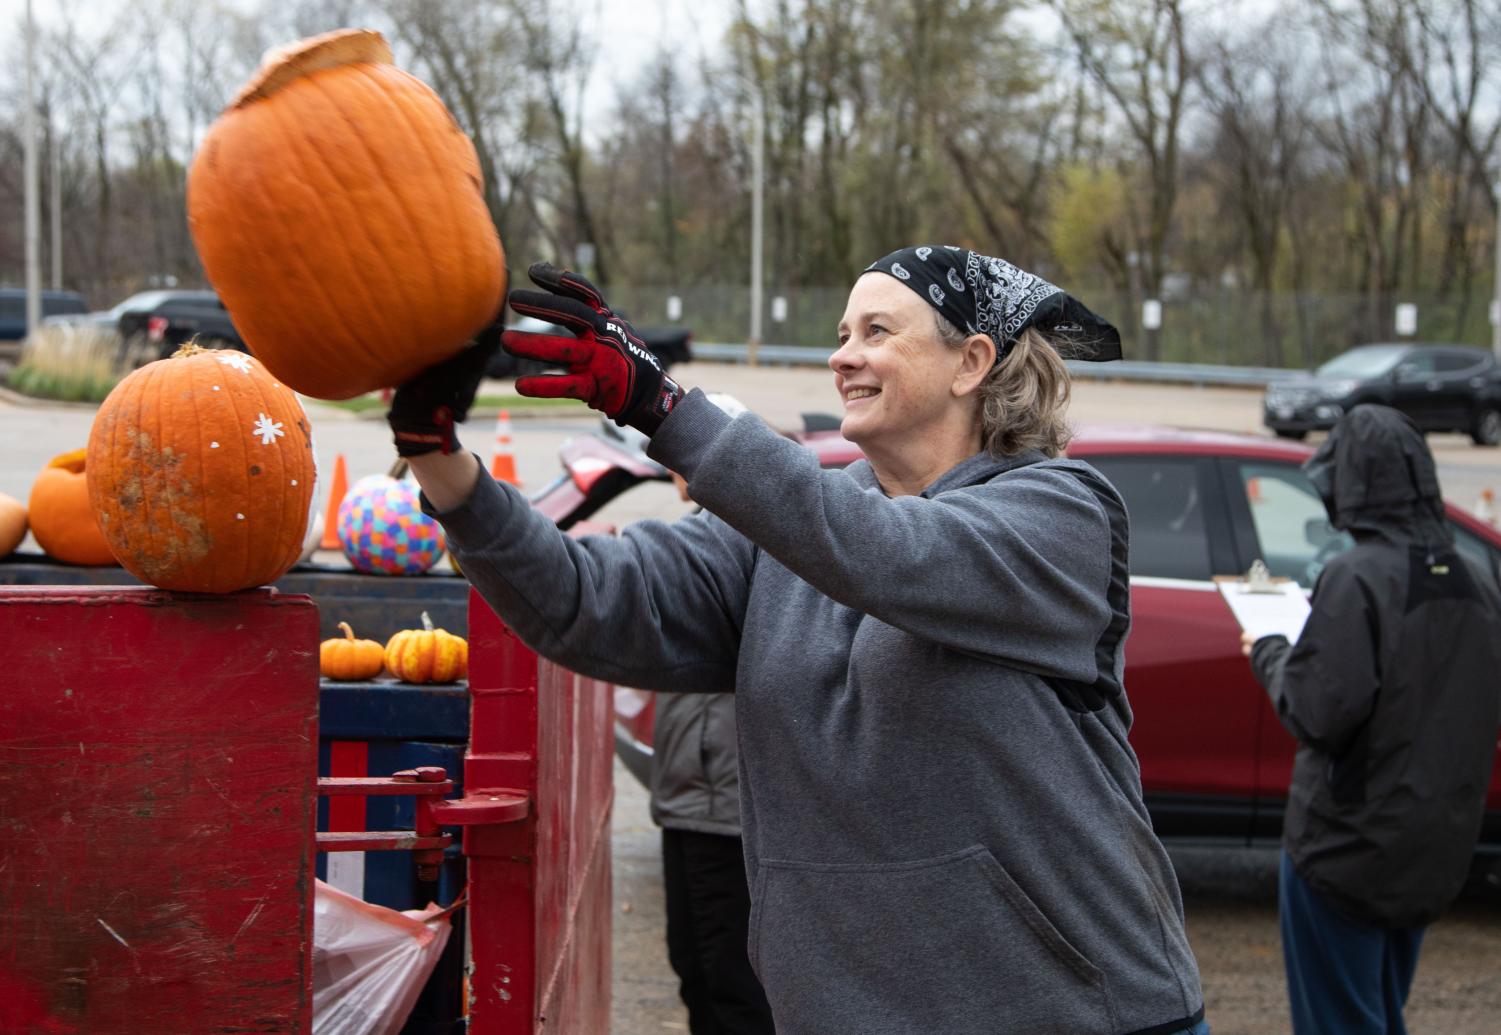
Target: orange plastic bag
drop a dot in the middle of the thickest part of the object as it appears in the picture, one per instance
(370, 962)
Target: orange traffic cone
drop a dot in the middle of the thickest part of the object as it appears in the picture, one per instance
(503, 467)
(1253, 489)
(336, 491)
(1485, 506)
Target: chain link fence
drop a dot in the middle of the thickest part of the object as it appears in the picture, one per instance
(1224, 326)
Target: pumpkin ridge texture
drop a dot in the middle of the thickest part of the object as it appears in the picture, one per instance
(339, 210)
(205, 472)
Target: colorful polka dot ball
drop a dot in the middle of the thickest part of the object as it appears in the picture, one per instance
(383, 531)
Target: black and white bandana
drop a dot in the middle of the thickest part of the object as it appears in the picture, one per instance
(981, 294)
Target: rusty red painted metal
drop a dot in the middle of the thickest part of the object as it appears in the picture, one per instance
(157, 806)
(539, 887)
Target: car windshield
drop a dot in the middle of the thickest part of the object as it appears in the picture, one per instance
(1368, 361)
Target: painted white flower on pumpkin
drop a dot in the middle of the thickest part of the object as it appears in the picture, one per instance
(269, 430)
(237, 361)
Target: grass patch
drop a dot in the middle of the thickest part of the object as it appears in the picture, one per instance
(68, 363)
(366, 403)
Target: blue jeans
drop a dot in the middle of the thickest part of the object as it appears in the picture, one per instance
(1344, 977)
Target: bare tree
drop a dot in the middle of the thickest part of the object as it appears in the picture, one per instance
(1138, 53)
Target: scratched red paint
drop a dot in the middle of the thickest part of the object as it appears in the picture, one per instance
(158, 758)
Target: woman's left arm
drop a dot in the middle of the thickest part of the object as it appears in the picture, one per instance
(1018, 568)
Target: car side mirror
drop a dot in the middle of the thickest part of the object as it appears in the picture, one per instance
(1318, 531)
(1406, 372)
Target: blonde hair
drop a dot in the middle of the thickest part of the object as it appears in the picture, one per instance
(1024, 397)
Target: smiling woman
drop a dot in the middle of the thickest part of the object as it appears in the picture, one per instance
(942, 817)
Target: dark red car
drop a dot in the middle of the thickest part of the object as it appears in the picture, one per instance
(1215, 761)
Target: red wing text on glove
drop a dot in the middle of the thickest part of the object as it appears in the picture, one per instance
(609, 366)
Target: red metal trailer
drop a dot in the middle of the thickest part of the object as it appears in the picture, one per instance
(157, 800)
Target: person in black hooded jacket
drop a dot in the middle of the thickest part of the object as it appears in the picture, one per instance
(1391, 692)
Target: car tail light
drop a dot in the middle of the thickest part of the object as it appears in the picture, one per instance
(156, 328)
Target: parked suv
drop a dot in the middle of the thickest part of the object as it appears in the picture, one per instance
(1441, 387)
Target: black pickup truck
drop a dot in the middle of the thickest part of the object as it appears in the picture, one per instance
(669, 344)
(157, 332)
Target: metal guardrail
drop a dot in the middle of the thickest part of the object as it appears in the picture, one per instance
(1120, 370)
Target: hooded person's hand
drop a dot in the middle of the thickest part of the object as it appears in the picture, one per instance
(608, 366)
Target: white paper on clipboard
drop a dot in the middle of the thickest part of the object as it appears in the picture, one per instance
(1274, 608)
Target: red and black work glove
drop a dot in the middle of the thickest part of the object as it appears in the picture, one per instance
(609, 366)
(426, 411)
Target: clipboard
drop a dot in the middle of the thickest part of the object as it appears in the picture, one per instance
(1265, 606)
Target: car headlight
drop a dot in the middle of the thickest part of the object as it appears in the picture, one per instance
(1339, 389)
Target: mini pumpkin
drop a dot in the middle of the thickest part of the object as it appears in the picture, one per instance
(12, 523)
(350, 659)
(382, 529)
(201, 472)
(427, 655)
(334, 168)
(61, 518)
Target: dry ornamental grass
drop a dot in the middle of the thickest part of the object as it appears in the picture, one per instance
(70, 362)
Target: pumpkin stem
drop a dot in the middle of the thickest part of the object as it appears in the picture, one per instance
(189, 348)
(427, 622)
(348, 632)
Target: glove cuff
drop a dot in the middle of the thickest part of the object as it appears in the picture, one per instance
(648, 417)
(439, 436)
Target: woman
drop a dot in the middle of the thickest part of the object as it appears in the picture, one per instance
(943, 822)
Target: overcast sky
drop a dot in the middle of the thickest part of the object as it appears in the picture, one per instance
(633, 28)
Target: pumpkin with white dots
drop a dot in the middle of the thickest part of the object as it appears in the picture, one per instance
(201, 472)
(427, 655)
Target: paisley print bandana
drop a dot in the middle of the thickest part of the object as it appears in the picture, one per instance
(981, 294)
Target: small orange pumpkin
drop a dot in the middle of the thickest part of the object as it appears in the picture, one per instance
(61, 518)
(12, 523)
(201, 472)
(427, 655)
(350, 659)
(339, 210)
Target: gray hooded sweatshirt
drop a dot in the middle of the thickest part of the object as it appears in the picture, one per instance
(943, 822)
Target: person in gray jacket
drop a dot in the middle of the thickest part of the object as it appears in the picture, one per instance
(943, 822)
(1391, 693)
(695, 799)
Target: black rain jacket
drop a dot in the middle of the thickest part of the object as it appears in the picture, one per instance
(1393, 690)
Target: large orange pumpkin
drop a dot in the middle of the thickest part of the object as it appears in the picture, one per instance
(12, 523)
(60, 515)
(201, 472)
(339, 211)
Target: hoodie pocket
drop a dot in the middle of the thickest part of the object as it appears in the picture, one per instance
(944, 945)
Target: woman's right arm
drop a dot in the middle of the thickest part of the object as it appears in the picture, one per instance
(659, 606)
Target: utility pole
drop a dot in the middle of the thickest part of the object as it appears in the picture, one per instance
(56, 178)
(31, 201)
(758, 205)
(1496, 291)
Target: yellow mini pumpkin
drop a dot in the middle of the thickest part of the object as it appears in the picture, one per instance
(350, 659)
(427, 655)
